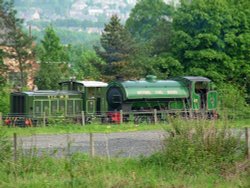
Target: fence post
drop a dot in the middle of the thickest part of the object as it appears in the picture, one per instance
(190, 113)
(83, 118)
(44, 119)
(155, 116)
(91, 145)
(15, 146)
(121, 117)
(1, 119)
(248, 142)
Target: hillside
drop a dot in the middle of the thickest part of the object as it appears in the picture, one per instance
(73, 19)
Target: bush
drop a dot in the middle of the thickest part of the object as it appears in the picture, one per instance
(197, 146)
(233, 102)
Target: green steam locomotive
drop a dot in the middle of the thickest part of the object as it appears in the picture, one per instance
(183, 95)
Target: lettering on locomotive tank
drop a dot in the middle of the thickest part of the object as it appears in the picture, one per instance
(172, 92)
(159, 92)
(144, 93)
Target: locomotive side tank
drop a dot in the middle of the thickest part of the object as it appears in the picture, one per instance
(149, 93)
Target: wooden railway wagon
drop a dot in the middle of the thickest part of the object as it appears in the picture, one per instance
(185, 95)
(74, 97)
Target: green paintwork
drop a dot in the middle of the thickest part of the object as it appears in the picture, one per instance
(59, 103)
(196, 101)
(161, 89)
(176, 105)
(91, 97)
(212, 100)
(52, 103)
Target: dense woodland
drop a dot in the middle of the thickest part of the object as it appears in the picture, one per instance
(208, 38)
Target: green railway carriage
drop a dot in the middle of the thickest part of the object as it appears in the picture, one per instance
(73, 98)
(190, 94)
(50, 103)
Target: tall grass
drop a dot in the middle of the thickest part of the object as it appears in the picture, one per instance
(195, 154)
(196, 146)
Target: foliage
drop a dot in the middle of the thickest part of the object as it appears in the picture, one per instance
(61, 127)
(3, 69)
(37, 168)
(211, 39)
(146, 17)
(5, 147)
(150, 24)
(198, 146)
(118, 46)
(14, 37)
(232, 102)
(4, 99)
(53, 61)
(84, 63)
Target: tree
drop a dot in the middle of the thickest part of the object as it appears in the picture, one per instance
(212, 38)
(118, 47)
(4, 89)
(150, 23)
(146, 17)
(53, 61)
(3, 69)
(14, 37)
(84, 63)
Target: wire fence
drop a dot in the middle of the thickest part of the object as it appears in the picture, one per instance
(95, 144)
(103, 144)
(117, 117)
(83, 118)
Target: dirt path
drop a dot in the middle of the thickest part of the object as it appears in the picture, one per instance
(130, 144)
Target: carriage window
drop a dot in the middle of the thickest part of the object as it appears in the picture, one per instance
(62, 106)
(53, 107)
(70, 107)
(46, 107)
(38, 105)
(78, 106)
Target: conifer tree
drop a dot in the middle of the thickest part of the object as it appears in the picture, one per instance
(53, 61)
(117, 48)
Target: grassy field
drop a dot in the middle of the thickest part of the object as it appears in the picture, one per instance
(196, 155)
(63, 128)
(82, 171)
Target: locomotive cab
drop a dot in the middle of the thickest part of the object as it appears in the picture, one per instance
(92, 94)
(201, 93)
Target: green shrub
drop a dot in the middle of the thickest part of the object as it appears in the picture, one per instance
(197, 146)
(233, 102)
